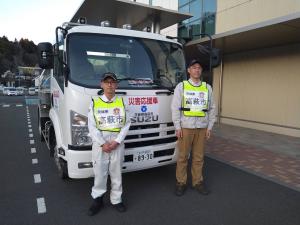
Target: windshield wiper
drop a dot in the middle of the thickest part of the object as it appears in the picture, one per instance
(159, 81)
(130, 78)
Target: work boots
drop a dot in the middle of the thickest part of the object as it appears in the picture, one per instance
(201, 188)
(120, 207)
(180, 189)
(96, 206)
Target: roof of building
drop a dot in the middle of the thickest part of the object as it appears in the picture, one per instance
(275, 32)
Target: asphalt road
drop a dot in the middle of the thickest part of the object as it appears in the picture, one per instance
(237, 198)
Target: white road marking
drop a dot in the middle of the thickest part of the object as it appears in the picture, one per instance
(37, 178)
(34, 161)
(5, 105)
(30, 130)
(41, 205)
(33, 150)
(31, 142)
(30, 135)
(19, 105)
(29, 122)
(29, 125)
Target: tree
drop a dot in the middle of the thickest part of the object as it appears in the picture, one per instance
(14, 54)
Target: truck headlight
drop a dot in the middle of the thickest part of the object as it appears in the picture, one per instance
(79, 129)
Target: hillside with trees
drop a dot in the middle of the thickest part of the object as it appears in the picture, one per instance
(17, 53)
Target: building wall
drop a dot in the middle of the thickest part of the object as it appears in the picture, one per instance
(260, 89)
(232, 14)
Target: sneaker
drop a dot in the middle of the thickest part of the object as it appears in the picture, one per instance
(201, 188)
(180, 189)
(120, 207)
(96, 206)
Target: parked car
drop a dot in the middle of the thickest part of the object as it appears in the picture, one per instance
(5, 89)
(20, 90)
(31, 91)
(12, 91)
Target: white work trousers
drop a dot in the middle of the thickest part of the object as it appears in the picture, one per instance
(108, 164)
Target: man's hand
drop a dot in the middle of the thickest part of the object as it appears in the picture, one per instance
(106, 147)
(179, 133)
(113, 145)
(207, 134)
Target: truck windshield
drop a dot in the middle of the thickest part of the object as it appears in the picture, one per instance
(138, 63)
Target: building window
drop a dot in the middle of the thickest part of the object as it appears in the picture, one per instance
(203, 20)
(182, 2)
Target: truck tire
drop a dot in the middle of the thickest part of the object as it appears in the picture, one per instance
(62, 165)
(41, 123)
(40, 127)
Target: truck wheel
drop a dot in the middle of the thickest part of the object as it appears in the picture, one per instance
(62, 165)
(41, 123)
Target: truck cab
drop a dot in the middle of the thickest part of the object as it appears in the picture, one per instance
(148, 67)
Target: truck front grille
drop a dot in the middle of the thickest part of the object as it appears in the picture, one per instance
(150, 142)
(150, 134)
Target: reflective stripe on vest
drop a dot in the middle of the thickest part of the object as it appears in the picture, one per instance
(109, 116)
(194, 99)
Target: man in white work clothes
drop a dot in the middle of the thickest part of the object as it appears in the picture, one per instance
(108, 122)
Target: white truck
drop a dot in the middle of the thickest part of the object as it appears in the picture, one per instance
(148, 66)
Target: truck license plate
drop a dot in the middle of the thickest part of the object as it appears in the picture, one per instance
(143, 156)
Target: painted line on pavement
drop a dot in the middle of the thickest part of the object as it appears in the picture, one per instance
(37, 178)
(41, 205)
(31, 142)
(30, 130)
(33, 150)
(34, 161)
(30, 135)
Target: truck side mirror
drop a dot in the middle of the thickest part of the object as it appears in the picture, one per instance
(46, 59)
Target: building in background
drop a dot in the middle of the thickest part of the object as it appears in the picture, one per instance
(203, 20)
(257, 86)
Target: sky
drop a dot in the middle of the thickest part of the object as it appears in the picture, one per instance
(35, 20)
